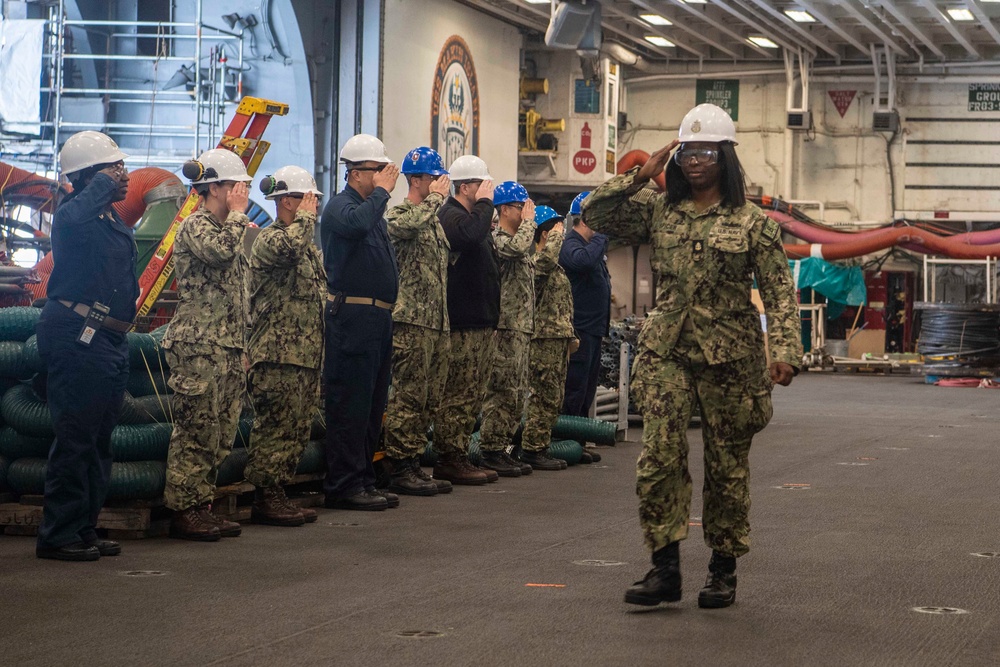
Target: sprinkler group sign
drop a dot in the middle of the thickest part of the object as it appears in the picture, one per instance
(723, 93)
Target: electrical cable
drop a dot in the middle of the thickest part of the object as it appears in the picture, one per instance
(959, 339)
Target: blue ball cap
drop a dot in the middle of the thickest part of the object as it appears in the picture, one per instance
(509, 192)
(423, 160)
(574, 208)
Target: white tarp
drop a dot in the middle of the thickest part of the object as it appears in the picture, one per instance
(21, 74)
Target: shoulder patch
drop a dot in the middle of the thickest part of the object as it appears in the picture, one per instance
(644, 196)
(771, 232)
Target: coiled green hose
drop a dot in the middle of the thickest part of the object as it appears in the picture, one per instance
(12, 363)
(583, 429)
(18, 323)
(140, 442)
(129, 481)
(569, 451)
(23, 410)
(15, 446)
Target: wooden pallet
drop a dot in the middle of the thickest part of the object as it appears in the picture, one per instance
(138, 519)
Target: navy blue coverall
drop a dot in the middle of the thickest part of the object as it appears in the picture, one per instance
(360, 262)
(95, 257)
(591, 284)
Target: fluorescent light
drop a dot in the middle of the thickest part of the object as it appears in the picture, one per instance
(655, 19)
(538, 2)
(960, 14)
(799, 16)
(659, 41)
(762, 41)
(695, 2)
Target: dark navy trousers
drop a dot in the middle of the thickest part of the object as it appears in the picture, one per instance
(86, 385)
(356, 376)
(581, 376)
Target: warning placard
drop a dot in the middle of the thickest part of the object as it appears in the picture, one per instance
(842, 100)
(723, 93)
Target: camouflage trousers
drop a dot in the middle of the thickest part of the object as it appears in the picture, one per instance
(285, 400)
(548, 361)
(462, 399)
(208, 383)
(508, 383)
(735, 400)
(419, 372)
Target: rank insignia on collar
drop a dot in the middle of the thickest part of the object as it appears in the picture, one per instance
(698, 245)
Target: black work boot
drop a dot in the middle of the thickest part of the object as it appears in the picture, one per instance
(720, 588)
(541, 460)
(663, 582)
(510, 460)
(405, 481)
(495, 462)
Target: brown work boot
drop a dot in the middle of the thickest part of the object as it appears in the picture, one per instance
(456, 469)
(271, 507)
(189, 524)
(309, 514)
(443, 486)
(405, 480)
(491, 475)
(226, 528)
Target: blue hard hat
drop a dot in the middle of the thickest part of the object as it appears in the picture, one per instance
(509, 192)
(545, 213)
(574, 208)
(423, 160)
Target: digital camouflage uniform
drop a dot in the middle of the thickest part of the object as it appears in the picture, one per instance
(549, 351)
(204, 346)
(420, 340)
(702, 342)
(508, 379)
(287, 295)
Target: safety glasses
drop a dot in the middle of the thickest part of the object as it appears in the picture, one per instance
(696, 155)
(378, 168)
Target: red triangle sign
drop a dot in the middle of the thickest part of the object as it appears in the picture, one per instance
(842, 99)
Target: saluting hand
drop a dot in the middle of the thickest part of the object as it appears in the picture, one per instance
(656, 163)
(485, 191)
(441, 185)
(558, 227)
(528, 212)
(238, 197)
(386, 179)
(782, 373)
(117, 172)
(309, 203)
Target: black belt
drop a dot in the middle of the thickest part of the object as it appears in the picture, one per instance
(83, 310)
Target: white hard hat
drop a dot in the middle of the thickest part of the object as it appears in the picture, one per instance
(707, 122)
(364, 148)
(288, 180)
(215, 166)
(86, 149)
(469, 168)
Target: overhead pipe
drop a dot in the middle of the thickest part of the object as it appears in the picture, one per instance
(861, 243)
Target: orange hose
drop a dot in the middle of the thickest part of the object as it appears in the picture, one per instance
(637, 158)
(30, 189)
(140, 182)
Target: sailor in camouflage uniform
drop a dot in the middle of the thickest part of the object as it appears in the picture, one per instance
(287, 295)
(420, 334)
(702, 342)
(205, 344)
(552, 343)
(508, 381)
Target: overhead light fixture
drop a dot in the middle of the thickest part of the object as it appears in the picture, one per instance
(537, 2)
(659, 41)
(655, 19)
(762, 41)
(960, 14)
(695, 2)
(799, 16)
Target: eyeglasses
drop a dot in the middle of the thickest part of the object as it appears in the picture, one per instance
(518, 205)
(698, 155)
